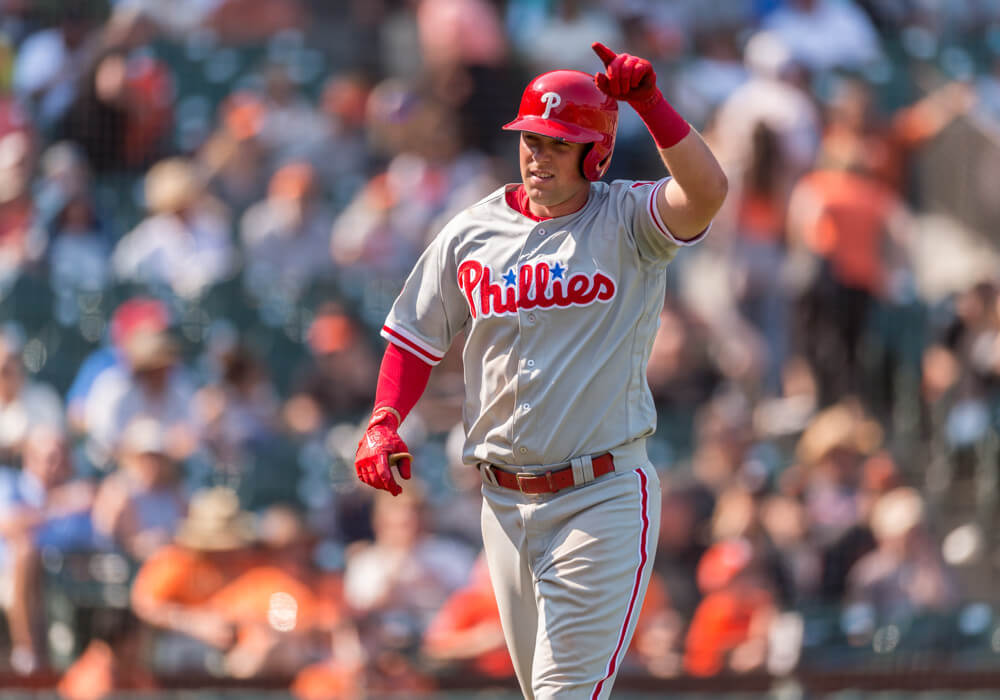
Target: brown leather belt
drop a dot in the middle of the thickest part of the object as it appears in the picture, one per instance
(551, 481)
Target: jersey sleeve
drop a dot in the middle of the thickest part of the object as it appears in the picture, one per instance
(653, 239)
(430, 310)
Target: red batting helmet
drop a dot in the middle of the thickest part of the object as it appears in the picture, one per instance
(566, 104)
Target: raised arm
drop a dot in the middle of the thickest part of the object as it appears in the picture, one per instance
(691, 199)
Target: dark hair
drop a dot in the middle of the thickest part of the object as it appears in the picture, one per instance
(765, 160)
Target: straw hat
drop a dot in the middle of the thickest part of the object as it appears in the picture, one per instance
(840, 426)
(215, 522)
(171, 185)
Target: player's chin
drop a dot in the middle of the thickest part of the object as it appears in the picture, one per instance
(540, 191)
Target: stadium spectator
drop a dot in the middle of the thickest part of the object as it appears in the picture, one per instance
(715, 71)
(826, 34)
(152, 385)
(684, 537)
(904, 577)
(42, 505)
(396, 583)
(122, 112)
(286, 237)
(332, 385)
(758, 250)
(22, 240)
(233, 157)
(24, 404)
(49, 62)
(775, 97)
(131, 316)
(858, 132)
(857, 231)
(830, 474)
(77, 249)
(466, 632)
(730, 626)
(291, 126)
(139, 505)
(658, 645)
(236, 599)
(342, 158)
(185, 244)
(555, 36)
(238, 408)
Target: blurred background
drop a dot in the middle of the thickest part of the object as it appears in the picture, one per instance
(207, 207)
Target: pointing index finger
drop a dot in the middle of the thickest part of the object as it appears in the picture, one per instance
(604, 53)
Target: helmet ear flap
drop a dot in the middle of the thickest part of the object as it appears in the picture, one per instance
(583, 159)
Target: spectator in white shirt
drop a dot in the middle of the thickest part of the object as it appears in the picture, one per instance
(286, 237)
(153, 385)
(825, 35)
(185, 243)
(24, 404)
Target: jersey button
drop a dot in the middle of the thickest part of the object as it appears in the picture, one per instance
(525, 406)
(531, 318)
(531, 363)
(541, 232)
(523, 450)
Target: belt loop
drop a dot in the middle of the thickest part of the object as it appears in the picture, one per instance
(486, 471)
(583, 469)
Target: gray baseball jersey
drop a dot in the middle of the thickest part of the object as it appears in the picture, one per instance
(559, 317)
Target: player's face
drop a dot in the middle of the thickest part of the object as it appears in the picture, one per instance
(550, 171)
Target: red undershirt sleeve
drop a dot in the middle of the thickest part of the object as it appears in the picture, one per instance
(402, 379)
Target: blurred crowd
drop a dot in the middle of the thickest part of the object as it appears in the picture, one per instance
(207, 207)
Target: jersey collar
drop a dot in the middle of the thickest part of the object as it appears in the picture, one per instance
(517, 199)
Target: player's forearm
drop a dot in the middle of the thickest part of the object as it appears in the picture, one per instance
(402, 379)
(694, 195)
(690, 201)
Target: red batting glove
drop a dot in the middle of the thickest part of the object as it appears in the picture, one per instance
(381, 448)
(626, 77)
(630, 78)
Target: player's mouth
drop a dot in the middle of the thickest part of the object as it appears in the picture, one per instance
(536, 177)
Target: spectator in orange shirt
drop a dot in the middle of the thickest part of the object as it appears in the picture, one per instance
(857, 131)
(853, 226)
(253, 610)
(465, 634)
(730, 626)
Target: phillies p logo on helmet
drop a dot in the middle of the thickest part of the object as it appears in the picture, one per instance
(551, 99)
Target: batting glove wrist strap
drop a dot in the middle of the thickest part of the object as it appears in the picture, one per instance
(664, 123)
(379, 449)
(386, 415)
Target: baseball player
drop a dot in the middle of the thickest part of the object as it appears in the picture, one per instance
(558, 283)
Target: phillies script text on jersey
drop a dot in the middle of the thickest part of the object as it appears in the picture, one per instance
(551, 288)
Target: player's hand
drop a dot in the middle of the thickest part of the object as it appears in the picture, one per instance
(626, 77)
(381, 448)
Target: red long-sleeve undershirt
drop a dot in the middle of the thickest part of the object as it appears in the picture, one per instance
(402, 379)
